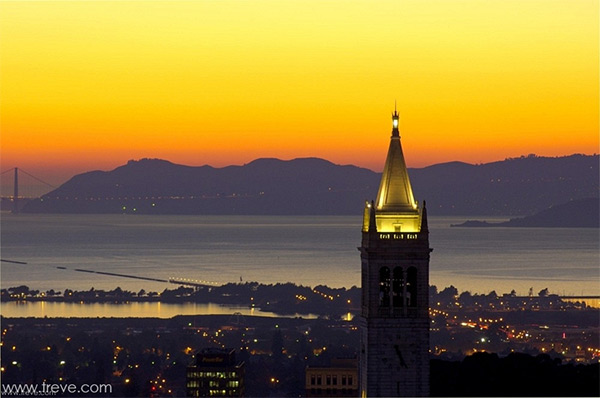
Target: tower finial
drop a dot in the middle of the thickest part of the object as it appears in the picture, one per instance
(395, 121)
(424, 224)
(372, 218)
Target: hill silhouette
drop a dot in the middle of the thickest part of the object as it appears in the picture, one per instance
(513, 187)
(583, 213)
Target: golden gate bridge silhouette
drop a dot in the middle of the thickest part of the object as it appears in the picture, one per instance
(17, 200)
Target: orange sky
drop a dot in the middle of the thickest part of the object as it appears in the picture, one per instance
(91, 84)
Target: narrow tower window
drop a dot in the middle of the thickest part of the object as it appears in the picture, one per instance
(398, 287)
(384, 287)
(411, 287)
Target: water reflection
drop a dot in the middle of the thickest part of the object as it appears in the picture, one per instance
(593, 302)
(40, 309)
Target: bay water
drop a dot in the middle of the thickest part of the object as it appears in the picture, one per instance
(306, 250)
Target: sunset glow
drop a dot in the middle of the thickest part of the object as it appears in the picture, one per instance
(89, 85)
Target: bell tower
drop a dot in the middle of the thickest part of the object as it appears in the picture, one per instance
(394, 321)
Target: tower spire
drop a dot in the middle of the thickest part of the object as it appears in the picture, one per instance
(395, 192)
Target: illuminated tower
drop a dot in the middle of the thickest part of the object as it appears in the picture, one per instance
(394, 357)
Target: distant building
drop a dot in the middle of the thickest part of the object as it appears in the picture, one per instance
(394, 321)
(215, 373)
(338, 380)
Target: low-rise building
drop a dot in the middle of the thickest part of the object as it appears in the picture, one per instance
(338, 380)
(215, 373)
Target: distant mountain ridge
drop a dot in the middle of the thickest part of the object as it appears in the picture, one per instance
(581, 213)
(513, 187)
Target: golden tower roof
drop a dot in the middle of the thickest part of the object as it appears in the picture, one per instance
(395, 193)
(395, 208)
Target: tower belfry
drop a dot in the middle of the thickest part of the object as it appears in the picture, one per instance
(394, 351)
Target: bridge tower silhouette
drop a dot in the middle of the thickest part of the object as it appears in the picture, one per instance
(16, 192)
(17, 198)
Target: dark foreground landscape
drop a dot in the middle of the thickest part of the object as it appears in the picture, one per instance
(481, 345)
(148, 357)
